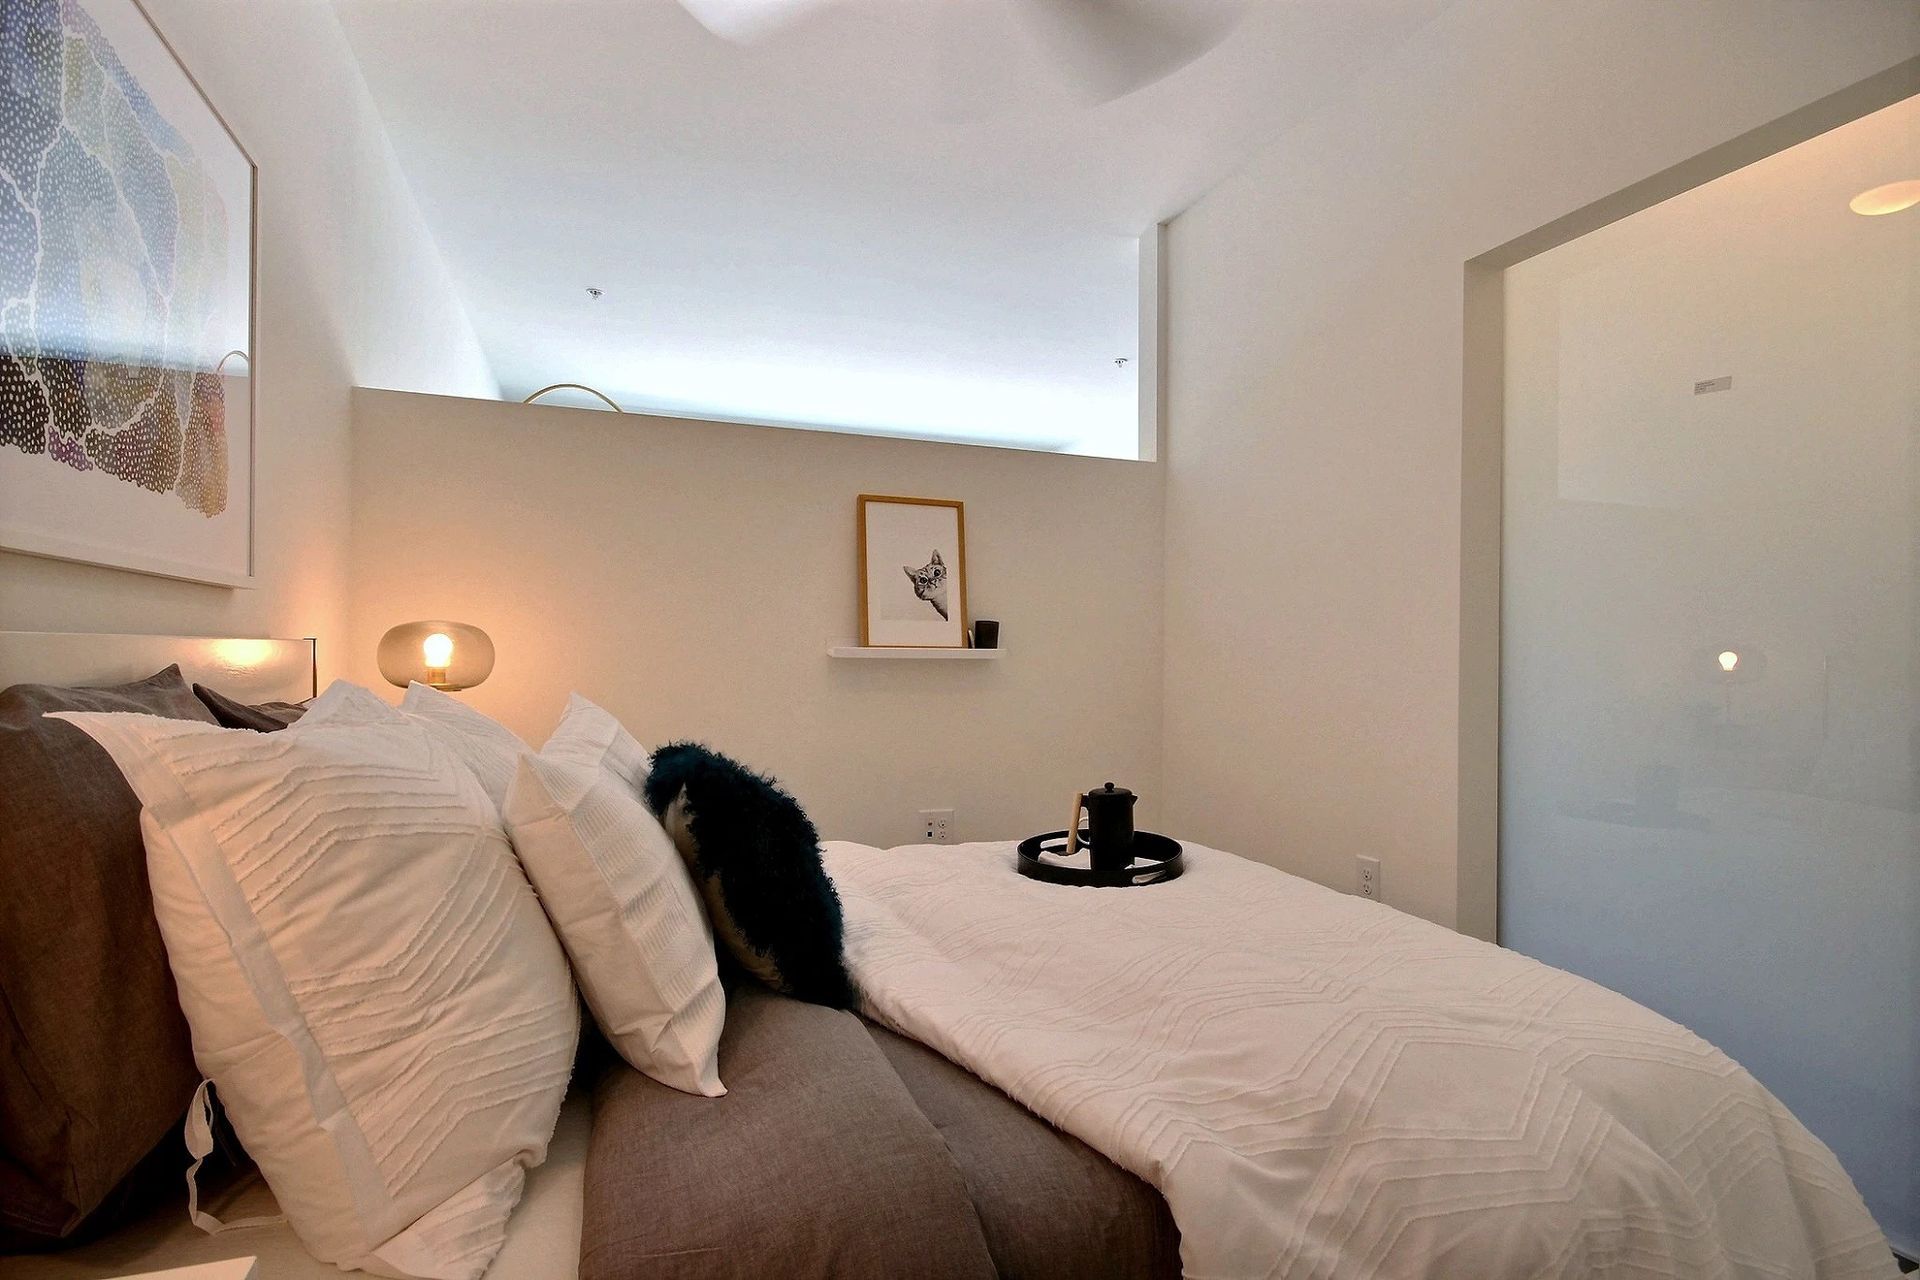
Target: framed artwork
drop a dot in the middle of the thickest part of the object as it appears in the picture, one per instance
(126, 301)
(913, 573)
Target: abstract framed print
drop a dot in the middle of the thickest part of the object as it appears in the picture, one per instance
(127, 219)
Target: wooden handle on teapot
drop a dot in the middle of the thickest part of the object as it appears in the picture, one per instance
(1073, 825)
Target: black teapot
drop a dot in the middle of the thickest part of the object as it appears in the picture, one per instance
(1118, 856)
(1109, 834)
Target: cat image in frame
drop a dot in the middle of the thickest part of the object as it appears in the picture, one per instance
(930, 584)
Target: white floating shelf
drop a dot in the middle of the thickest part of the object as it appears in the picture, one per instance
(939, 655)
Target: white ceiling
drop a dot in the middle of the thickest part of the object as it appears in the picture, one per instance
(893, 216)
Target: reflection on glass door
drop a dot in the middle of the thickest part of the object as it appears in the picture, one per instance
(1710, 748)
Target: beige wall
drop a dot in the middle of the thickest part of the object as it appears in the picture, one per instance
(351, 290)
(1314, 374)
(690, 575)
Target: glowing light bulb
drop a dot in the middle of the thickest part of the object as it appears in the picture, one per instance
(437, 649)
(1729, 660)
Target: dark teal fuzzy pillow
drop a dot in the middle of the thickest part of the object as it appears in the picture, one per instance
(756, 858)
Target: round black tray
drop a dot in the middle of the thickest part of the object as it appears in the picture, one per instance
(1156, 860)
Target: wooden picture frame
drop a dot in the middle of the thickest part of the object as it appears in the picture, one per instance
(913, 572)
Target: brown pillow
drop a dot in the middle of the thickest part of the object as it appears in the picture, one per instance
(96, 1067)
(261, 717)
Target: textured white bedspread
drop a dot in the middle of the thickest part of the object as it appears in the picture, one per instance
(1325, 1087)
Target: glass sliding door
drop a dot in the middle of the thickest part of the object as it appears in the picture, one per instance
(1710, 743)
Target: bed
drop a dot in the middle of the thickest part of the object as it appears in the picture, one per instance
(938, 1175)
(543, 1240)
(1058, 1083)
(641, 1180)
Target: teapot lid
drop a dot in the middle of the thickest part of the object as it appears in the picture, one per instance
(1110, 792)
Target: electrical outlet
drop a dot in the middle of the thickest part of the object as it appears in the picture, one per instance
(936, 826)
(1367, 884)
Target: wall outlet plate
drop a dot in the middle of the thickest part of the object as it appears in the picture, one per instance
(936, 826)
(1367, 878)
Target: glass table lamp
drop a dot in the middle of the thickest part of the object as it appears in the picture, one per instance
(446, 655)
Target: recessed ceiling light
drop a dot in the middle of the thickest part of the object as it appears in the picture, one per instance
(1891, 198)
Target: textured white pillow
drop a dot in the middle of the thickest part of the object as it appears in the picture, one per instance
(369, 979)
(588, 735)
(485, 745)
(626, 911)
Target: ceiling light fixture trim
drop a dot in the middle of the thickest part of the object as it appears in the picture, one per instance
(1892, 197)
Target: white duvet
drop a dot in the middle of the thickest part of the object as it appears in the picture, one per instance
(1325, 1087)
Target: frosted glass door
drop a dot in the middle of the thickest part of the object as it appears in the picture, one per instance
(1710, 747)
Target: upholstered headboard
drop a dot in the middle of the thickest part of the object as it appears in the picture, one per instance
(252, 670)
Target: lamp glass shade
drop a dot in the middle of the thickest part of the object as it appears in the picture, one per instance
(447, 655)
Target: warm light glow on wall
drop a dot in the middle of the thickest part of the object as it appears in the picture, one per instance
(243, 655)
(1891, 198)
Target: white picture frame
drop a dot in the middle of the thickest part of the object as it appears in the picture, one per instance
(127, 403)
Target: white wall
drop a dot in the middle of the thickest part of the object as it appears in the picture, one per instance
(689, 576)
(351, 290)
(1312, 482)
(1314, 432)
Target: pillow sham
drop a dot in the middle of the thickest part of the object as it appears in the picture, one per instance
(479, 741)
(756, 859)
(369, 978)
(261, 717)
(589, 735)
(95, 1065)
(627, 915)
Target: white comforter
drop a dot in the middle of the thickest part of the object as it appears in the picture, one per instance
(1325, 1087)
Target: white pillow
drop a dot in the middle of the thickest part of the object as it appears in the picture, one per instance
(485, 745)
(588, 735)
(628, 915)
(369, 980)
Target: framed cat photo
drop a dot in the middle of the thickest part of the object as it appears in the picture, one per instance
(913, 573)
